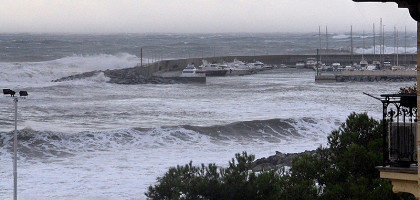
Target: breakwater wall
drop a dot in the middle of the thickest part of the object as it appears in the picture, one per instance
(152, 69)
(367, 76)
(167, 71)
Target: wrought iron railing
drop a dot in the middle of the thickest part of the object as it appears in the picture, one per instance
(399, 129)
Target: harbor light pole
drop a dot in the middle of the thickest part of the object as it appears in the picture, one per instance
(15, 100)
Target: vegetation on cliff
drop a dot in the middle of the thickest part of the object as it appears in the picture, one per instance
(343, 170)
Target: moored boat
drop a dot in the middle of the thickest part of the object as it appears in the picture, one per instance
(190, 71)
(238, 68)
(211, 70)
(300, 65)
(310, 63)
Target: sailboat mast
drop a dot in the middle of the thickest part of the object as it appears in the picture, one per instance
(383, 42)
(319, 36)
(380, 45)
(395, 45)
(363, 52)
(351, 45)
(396, 34)
(374, 42)
(317, 62)
(320, 44)
(405, 45)
(326, 36)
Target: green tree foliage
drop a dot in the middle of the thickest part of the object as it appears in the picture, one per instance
(236, 182)
(344, 170)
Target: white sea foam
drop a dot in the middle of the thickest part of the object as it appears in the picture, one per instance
(341, 36)
(122, 164)
(388, 50)
(41, 72)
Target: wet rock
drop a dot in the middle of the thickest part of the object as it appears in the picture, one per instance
(277, 161)
(127, 76)
(77, 76)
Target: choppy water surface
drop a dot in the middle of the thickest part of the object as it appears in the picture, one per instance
(88, 139)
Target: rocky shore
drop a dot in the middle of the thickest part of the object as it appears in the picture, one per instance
(277, 161)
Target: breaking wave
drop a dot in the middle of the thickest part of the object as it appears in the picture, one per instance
(35, 72)
(388, 50)
(49, 144)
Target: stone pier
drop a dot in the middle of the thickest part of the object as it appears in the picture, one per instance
(367, 76)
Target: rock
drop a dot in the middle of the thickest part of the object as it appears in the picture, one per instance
(77, 76)
(277, 161)
(127, 76)
(264, 167)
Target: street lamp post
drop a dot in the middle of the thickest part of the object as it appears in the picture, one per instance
(15, 100)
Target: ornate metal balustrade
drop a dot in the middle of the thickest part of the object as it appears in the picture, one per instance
(399, 129)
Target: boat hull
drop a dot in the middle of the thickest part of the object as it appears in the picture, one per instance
(213, 72)
(238, 72)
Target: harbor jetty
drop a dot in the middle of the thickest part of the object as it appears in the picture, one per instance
(288, 60)
(168, 71)
(367, 76)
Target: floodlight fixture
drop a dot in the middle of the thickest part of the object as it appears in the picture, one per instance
(9, 92)
(23, 93)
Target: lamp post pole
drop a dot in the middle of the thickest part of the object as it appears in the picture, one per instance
(15, 100)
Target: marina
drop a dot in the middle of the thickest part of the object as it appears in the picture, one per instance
(281, 59)
(171, 71)
(341, 69)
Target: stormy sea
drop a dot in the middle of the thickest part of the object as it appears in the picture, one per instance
(90, 139)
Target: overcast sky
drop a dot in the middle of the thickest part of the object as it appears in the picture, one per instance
(197, 16)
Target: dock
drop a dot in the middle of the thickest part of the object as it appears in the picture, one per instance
(367, 76)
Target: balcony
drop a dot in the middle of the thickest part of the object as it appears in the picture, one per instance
(400, 164)
(400, 130)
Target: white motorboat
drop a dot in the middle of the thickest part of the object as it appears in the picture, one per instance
(191, 71)
(211, 69)
(238, 68)
(300, 65)
(310, 63)
(256, 66)
(396, 67)
(363, 64)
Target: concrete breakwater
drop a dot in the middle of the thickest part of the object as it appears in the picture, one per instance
(159, 67)
(289, 60)
(367, 76)
(133, 76)
(157, 72)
